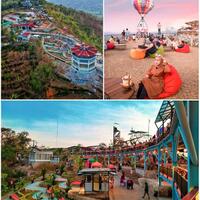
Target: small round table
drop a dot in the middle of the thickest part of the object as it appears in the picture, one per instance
(113, 89)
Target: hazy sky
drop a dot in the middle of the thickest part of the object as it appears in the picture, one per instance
(79, 122)
(120, 14)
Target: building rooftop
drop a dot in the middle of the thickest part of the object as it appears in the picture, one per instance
(84, 51)
(25, 34)
(22, 25)
(93, 170)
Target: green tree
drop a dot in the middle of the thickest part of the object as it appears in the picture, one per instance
(43, 173)
(40, 77)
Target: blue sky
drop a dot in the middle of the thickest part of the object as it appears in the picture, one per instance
(79, 122)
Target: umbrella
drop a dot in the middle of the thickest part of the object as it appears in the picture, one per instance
(60, 179)
(111, 166)
(96, 165)
(92, 160)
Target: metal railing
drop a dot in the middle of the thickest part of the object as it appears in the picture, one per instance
(166, 171)
(181, 183)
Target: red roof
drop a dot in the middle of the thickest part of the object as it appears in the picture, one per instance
(14, 197)
(25, 34)
(84, 51)
(12, 18)
(22, 25)
(76, 183)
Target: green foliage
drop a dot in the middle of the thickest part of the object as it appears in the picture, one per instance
(20, 184)
(15, 148)
(40, 77)
(62, 169)
(84, 26)
(9, 4)
(43, 173)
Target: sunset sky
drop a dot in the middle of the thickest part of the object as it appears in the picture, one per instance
(120, 14)
(79, 122)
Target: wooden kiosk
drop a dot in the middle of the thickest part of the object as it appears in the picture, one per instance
(95, 179)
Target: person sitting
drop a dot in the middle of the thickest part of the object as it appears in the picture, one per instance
(118, 40)
(110, 45)
(152, 48)
(153, 84)
(112, 39)
(181, 44)
(182, 47)
(130, 184)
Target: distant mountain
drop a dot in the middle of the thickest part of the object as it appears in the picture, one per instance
(94, 7)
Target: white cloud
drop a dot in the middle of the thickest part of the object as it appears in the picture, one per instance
(97, 129)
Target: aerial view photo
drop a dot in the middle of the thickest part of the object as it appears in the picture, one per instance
(134, 150)
(151, 49)
(52, 49)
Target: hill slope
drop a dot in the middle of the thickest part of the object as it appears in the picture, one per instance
(91, 6)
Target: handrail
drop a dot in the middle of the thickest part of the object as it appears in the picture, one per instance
(143, 146)
(191, 195)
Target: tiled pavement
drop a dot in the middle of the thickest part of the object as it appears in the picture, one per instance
(118, 62)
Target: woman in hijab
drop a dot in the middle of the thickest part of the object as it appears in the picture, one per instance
(153, 83)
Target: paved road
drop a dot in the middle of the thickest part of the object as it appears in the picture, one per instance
(121, 193)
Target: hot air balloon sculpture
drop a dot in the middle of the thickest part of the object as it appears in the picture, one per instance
(143, 7)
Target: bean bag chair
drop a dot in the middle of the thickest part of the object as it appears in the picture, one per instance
(159, 51)
(110, 45)
(185, 49)
(172, 84)
(137, 53)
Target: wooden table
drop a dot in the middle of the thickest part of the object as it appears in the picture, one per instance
(113, 89)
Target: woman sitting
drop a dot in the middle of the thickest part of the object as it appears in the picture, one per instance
(153, 84)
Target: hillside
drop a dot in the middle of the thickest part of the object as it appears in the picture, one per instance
(94, 7)
(82, 25)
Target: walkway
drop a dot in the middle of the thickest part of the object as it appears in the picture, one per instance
(121, 193)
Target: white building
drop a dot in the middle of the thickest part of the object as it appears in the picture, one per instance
(36, 155)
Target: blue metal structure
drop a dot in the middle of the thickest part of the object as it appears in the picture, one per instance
(183, 118)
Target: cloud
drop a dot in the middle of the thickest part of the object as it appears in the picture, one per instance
(88, 123)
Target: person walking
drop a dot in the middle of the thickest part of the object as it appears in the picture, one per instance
(146, 190)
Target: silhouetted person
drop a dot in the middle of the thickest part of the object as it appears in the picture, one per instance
(146, 190)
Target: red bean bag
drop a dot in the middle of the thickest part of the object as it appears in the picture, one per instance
(172, 83)
(185, 49)
(110, 45)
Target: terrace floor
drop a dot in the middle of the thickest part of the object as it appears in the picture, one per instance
(118, 62)
(120, 193)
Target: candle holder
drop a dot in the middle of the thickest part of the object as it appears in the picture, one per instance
(127, 82)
